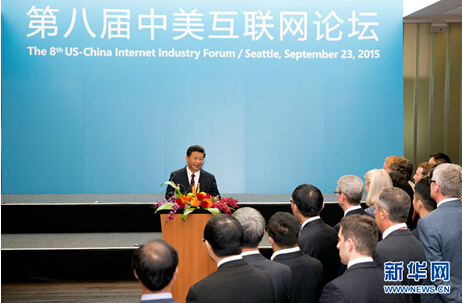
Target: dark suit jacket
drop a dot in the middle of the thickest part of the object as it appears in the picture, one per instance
(361, 283)
(207, 182)
(415, 232)
(400, 245)
(319, 240)
(159, 301)
(233, 282)
(440, 233)
(280, 274)
(306, 276)
(359, 211)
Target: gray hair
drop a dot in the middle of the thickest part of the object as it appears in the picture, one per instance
(449, 178)
(253, 225)
(353, 187)
(396, 202)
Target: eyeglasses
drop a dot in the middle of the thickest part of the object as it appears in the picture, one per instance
(338, 192)
(203, 239)
(431, 181)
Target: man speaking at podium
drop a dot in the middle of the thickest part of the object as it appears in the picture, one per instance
(192, 175)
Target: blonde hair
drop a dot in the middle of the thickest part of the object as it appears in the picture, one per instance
(369, 174)
(380, 179)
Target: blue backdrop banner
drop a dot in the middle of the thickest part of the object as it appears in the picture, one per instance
(106, 96)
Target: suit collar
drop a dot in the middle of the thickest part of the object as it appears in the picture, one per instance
(394, 228)
(354, 209)
(448, 202)
(253, 257)
(233, 263)
(312, 221)
(362, 265)
(287, 253)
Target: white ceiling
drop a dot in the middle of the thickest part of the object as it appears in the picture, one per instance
(444, 10)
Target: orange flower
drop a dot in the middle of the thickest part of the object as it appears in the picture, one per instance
(206, 203)
(194, 202)
(185, 199)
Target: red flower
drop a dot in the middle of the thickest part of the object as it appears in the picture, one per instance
(180, 202)
(206, 203)
(200, 196)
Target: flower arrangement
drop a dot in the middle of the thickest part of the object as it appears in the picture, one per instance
(192, 201)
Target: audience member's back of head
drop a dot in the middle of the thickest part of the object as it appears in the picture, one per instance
(363, 231)
(409, 169)
(396, 202)
(352, 187)
(380, 179)
(440, 158)
(400, 181)
(155, 263)
(284, 228)
(449, 178)
(253, 225)
(308, 200)
(397, 164)
(224, 234)
(423, 193)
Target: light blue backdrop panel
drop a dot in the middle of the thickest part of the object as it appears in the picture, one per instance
(77, 122)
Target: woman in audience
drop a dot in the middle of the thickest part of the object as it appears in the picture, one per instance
(376, 179)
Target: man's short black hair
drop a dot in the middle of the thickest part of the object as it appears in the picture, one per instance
(423, 193)
(308, 199)
(440, 158)
(155, 263)
(283, 228)
(224, 234)
(195, 148)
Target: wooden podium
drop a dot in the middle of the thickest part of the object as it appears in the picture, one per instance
(194, 262)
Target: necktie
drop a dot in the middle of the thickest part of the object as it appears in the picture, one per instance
(192, 180)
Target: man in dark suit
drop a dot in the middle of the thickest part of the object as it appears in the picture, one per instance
(440, 231)
(423, 202)
(363, 281)
(316, 239)
(193, 175)
(398, 244)
(283, 230)
(253, 226)
(349, 193)
(235, 281)
(155, 267)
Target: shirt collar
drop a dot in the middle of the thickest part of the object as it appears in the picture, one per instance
(229, 259)
(352, 208)
(392, 228)
(360, 260)
(444, 201)
(285, 251)
(309, 220)
(163, 295)
(250, 252)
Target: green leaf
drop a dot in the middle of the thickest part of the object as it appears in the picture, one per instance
(213, 211)
(168, 206)
(186, 212)
(171, 183)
